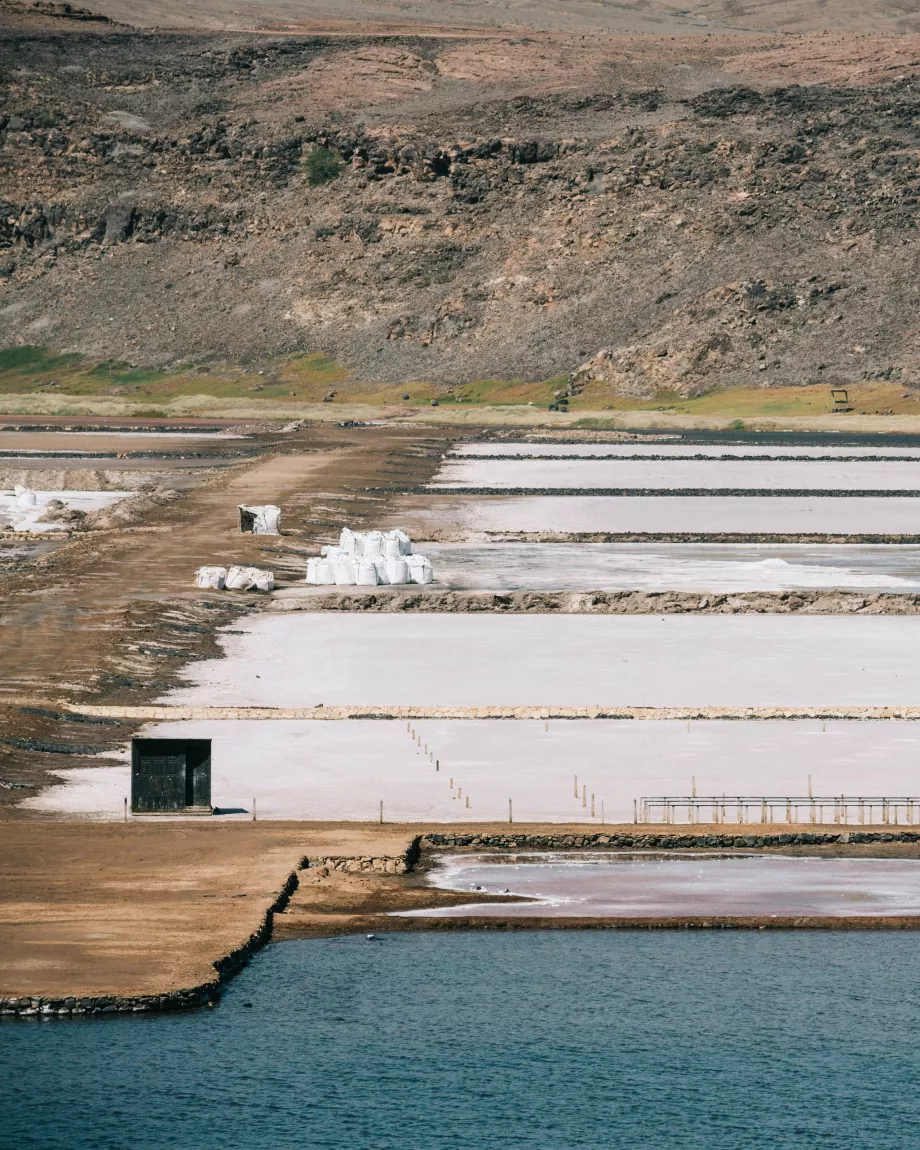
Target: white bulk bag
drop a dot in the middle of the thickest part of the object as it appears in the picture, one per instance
(420, 570)
(373, 544)
(250, 579)
(381, 566)
(330, 552)
(312, 569)
(346, 571)
(392, 547)
(25, 496)
(264, 520)
(367, 573)
(397, 570)
(212, 577)
(325, 573)
(352, 542)
(405, 543)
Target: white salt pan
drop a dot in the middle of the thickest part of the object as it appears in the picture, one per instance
(676, 566)
(342, 770)
(903, 475)
(513, 660)
(713, 450)
(745, 515)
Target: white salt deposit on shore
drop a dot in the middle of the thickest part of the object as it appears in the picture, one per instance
(675, 566)
(631, 514)
(26, 518)
(659, 885)
(512, 660)
(778, 475)
(343, 769)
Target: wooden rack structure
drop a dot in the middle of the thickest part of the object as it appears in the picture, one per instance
(890, 810)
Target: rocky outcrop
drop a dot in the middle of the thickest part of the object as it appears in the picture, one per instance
(734, 237)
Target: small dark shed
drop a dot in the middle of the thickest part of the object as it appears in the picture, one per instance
(170, 775)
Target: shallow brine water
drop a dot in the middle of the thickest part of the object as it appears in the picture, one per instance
(543, 1041)
(661, 885)
(675, 566)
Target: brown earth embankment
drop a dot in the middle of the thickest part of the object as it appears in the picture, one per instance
(103, 918)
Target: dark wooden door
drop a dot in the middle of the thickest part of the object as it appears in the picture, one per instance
(158, 777)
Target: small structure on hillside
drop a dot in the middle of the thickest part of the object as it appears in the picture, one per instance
(171, 776)
(264, 520)
(840, 398)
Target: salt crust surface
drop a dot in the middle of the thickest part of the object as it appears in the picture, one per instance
(694, 474)
(751, 515)
(675, 566)
(341, 770)
(513, 660)
(659, 885)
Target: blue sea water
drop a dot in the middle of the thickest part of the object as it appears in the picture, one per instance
(549, 1041)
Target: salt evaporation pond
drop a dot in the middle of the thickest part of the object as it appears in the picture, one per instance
(671, 514)
(364, 658)
(685, 450)
(342, 770)
(675, 566)
(637, 473)
(661, 885)
(560, 1040)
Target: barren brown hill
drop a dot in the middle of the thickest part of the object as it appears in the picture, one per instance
(678, 211)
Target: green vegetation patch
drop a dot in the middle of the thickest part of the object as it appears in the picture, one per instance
(322, 165)
(28, 359)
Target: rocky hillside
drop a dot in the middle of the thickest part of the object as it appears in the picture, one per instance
(462, 208)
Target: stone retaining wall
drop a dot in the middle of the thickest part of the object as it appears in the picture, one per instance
(645, 840)
(433, 599)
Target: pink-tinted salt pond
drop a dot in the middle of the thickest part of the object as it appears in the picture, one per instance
(662, 885)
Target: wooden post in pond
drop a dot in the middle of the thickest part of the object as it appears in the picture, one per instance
(584, 795)
(381, 810)
(592, 806)
(576, 786)
(126, 810)
(635, 811)
(437, 764)
(253, 808)
(510, 819)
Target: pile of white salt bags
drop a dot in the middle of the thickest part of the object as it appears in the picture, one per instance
(236, 579)
(369, 559)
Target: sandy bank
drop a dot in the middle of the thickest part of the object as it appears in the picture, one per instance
(159, 913)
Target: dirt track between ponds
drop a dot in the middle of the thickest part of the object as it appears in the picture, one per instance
(112, 616)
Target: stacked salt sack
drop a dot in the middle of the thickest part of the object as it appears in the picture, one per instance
(250, 579)
(236, 579)
(369, 559)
